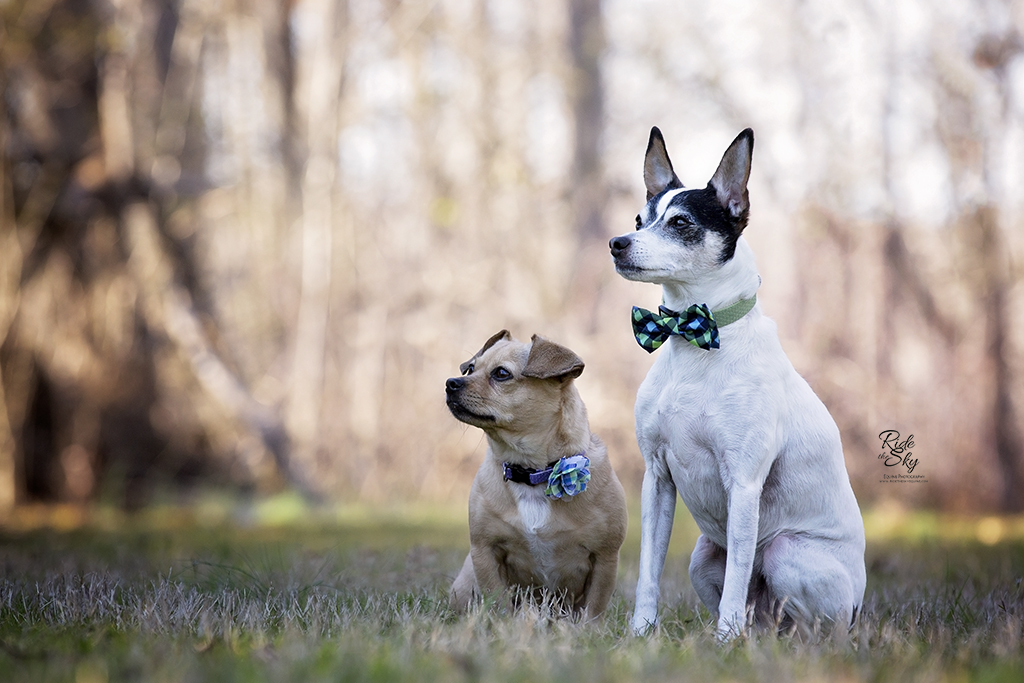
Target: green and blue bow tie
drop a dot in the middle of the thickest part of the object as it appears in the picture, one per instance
(697, 324)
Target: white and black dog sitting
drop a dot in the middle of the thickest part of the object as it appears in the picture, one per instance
(724, 419)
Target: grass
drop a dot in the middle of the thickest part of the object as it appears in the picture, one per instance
(278, 594)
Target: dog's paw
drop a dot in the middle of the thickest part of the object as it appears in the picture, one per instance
(644, 625)
(730, 627)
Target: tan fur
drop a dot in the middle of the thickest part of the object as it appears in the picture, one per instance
(533, 418)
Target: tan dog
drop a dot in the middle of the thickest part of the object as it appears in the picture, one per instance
(521, 536)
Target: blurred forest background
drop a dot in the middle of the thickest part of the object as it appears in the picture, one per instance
(244, 242)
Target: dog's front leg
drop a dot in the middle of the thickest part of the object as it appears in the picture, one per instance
(464, 589)
(744, 502)
(657, 511)
(487, 569)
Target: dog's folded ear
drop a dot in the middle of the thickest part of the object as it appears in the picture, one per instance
(549, 360)
(488, 344)
(658, 173)
(730, 180)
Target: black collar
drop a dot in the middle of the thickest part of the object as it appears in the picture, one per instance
(527, 475)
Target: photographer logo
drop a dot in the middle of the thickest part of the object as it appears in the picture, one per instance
(899, 460)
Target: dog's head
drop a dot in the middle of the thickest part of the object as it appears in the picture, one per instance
(682, 235)
(513, 387)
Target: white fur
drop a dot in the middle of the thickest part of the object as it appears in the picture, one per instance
(712, 425)
(534, 507)
(666, 199)
(534, 513)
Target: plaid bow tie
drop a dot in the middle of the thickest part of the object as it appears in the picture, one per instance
(697, 324)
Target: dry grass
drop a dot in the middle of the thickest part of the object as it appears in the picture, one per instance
(365, 600)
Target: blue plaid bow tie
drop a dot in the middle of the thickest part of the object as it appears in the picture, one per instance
(697, 324)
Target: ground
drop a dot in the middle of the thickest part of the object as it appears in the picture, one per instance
(275, 592)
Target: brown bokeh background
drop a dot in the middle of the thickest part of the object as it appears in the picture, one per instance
(244, 242)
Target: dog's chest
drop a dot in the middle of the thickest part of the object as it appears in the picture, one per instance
(535, 517)
(677, 406)
(534, 508)
(680, 426)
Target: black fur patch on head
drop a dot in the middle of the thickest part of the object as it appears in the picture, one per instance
(701, 212)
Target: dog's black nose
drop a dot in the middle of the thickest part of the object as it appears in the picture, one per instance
(454, 384)
(620, 244)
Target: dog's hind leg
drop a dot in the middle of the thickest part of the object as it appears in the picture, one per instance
(816, 586)
(600, 584)
(707, 573)
(707, 576)
(657, 512)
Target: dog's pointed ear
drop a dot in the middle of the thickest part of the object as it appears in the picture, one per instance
(488, 344)
(550, 360)
(658, 173)
(730, 180)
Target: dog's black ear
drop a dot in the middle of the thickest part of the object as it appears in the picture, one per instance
(658, 173)
(730, 180)
(488, 344)
(549, 360)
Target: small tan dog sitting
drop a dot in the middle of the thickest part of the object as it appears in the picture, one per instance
(546, 511)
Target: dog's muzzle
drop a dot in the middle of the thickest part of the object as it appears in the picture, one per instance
(452, 388)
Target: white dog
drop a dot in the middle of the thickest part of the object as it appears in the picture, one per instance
(724, 419)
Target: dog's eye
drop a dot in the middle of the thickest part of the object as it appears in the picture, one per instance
(681, 221)
(501, 374)
(469, 370)
(639, 222)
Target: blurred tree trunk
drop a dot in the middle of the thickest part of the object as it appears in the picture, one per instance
(994, 52)
(587, 45)
(109, 367)
(973, 132)
(320, 67)
(1005, 422)
(588, 190)
(10, 276)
